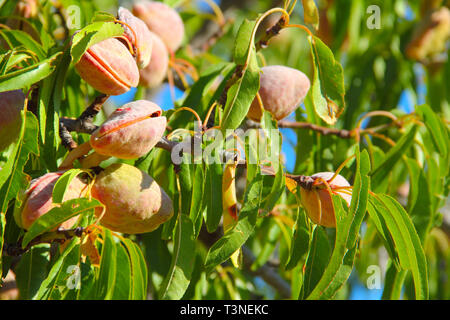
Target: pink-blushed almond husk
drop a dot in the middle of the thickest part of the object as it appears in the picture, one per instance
(38, 199)
(109, 67)
(318, 203)
(143, 42)
(130, 131)
(282, 90)
(134, 202)
(162, 20)
(154, 74)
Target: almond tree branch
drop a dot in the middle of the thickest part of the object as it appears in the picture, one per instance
(83, 124)
(341, 133)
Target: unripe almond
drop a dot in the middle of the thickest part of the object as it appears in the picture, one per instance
(156, 71)
(318, 203)
(143, 41)
(130, 131)
(282, 90)
(109, 67)
(162, 20)
(11, 103)
(38, 199)
(134, 202)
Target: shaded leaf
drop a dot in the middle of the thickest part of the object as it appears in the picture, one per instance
(30, 75)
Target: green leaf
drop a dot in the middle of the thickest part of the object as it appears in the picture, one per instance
(273, 142)
(57, 271)
(317, 260)
(31, 271)
(213, 194)
(67, 281)
(22, 38)
(419, 199)
(407, 243)
(197, 201)
(30, 75)
(381, 171)
(300, 240)
(244, 42)
(243, 91)
(92, 34)
(50, 96)
(57, 215)
(197, 94)
(108, 267)
(434, 125)
(138, 271)
(178, 278)
(393, 282)
(233, 240)
(123, 283)
(63, 183)
(185, 185)
(101, 16)
(328, 85)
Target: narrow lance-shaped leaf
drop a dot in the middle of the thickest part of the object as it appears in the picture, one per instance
(179, 275)
(380, 173)
(92, 34)
(30, 75)
(138, 271)
(62, 184)
(58, 269)
(241, 94)
(300, 239)
(328, 85)
(59, 214)
(419, 199)
(108, 268)
(123, 286)
(228, 244)
(31, 271)
(407, 243)
(317, 260)
(25, 40)
(437, 130)
(213, 194)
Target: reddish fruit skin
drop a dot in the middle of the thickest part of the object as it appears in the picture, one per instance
(162, 20)
(131, 131)
(134, 202)
(318, 203)
(11, 103)
(38, 199)
(154, 74)
(109, 67)
(143, 42)
(282, 90)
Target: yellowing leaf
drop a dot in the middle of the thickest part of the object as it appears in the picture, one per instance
(310, 12)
